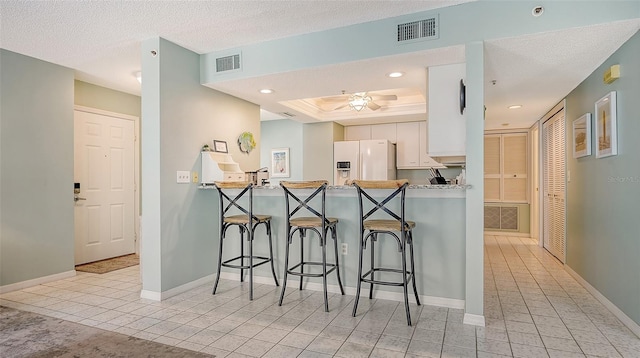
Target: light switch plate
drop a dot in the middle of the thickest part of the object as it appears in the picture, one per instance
(183, 177)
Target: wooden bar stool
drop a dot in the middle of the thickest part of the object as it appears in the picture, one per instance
(318, 223)
(246, 222)
(372, 229)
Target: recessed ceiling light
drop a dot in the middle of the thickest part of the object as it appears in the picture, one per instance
(395, 74)
(515, 106)
(266, 91)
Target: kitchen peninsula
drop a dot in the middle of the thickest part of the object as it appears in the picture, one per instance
(439, 240)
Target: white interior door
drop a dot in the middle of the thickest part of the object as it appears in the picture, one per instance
(535, 183)
(554, 188)
(104, 167)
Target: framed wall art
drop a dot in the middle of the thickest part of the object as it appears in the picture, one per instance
(582, 136)
(280, 163)
(220, 146)
(605, 125)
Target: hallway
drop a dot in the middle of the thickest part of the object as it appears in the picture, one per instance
(533, 308)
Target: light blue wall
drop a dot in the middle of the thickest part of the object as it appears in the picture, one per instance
(310, 147)
(283, 133)
(603, 195)
(179, 227)
(36, 163)
(90, 95)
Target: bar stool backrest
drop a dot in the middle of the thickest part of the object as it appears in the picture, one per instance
(227, 202)
(399, 188)
(293, 193)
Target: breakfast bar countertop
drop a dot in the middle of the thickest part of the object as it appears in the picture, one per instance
(348, 187)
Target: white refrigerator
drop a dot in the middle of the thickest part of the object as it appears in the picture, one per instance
(373, 159)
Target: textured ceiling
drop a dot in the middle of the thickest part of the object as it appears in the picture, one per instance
(101, 41)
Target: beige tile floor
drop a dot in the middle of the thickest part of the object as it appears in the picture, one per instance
(533, 308)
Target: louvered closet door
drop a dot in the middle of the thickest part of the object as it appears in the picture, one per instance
(554, 218)
(514, 167)
(492, 168)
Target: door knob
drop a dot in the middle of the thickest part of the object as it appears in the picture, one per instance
(76, 198)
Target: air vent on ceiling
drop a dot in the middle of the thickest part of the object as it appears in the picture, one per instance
(426, 29)
(287, 114)
(228, 63)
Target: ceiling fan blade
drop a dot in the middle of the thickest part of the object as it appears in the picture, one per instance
(385, 97)
(340, 107)
(372, 106)
(336, 98)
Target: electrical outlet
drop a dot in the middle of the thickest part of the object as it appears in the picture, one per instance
(194, 177)
(183, 177)
(344, 248)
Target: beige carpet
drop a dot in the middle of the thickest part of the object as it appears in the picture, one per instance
(109, 265)
(30, 335)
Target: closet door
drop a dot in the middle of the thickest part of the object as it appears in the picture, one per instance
(492, 168)
(514, 171)
(554, 187)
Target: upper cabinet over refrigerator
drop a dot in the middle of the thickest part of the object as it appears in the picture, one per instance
(446, 126)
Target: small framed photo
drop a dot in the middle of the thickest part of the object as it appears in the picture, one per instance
(582, 136)
(220, 146)
(280, 163)
(605, 125)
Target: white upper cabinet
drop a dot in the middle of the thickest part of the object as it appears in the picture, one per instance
(408, 145)
(384, 131)
(446, 126)
(358, 132)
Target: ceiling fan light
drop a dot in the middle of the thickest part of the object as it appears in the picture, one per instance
(359, 101)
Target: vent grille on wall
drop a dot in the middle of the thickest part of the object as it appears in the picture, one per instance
(501, 218)
(228, 63)
(426, 29)
(287, 114)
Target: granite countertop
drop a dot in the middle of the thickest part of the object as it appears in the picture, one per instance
(349, 187)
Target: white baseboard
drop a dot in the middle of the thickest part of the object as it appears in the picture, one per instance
(631, 324)
(151, 295)
(351, 291)
(473, 319)
(159, 296)
(36, 281)
(317, 286)
(507, 233)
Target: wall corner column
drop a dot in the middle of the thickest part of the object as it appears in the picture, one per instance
(474, 249)
(150, 223)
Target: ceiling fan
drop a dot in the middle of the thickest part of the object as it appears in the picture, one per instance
(359, 100)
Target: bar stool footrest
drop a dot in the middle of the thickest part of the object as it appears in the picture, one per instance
(330, 268)
(408, 277)
(261, 261)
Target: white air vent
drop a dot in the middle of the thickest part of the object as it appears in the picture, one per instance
(228, 63)
(426, 29)
(287, 114)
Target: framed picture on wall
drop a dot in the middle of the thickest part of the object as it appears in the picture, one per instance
(582, 136)
(220, 146)
(605, 124)
(280, 163)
